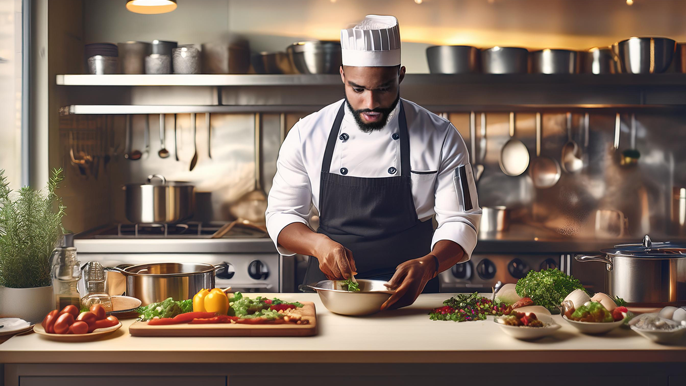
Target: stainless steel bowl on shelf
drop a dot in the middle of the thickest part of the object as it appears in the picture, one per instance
(550, 61)
(373, 293)
(453, 59)
(272, 63)
(505, 60)
(598, 61)
(644, 55)
(316, 57)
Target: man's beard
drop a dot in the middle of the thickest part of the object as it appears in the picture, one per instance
(378, 125)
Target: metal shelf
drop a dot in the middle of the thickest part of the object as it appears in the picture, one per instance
(644, 80)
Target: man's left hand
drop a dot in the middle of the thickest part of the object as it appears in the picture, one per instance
(409, 280)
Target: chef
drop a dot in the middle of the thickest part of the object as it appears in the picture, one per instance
(377, 168)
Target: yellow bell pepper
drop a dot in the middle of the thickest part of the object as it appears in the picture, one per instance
(216, 301)
(199, 300)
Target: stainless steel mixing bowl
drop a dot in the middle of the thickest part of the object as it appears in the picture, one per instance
(339, 301)
(644, 55)
(316, 57)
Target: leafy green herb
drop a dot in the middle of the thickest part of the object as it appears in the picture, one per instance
(547, 288)
(620, 302)
(30, 228)
(465, 308)
(167, 308)
(247, 308)
(350, 285)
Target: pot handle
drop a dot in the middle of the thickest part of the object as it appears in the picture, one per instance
(222, 267)
(596, 258)
(161, 177)
(116, 269)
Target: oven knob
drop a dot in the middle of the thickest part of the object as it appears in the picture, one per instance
(548, 264)
(486, 269)
(462, 271)
(258, 270)
(227, 273)
(517, 268)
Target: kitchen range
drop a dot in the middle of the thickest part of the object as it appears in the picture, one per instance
(176, 147)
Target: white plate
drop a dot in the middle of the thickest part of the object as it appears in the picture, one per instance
(661, 336)
(594, 328)
(122, 304)
(12, 330)
(38, 329)
(530, 333)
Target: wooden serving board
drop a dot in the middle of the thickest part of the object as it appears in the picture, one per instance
(308, 312)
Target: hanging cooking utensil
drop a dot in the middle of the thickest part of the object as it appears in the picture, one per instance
(630, 156)
(472, 141)
(571, 152)
(282, 127)
(176, 141)
(479, 167)
(253, 204)
(514, 156)
(545, 171)
(129, 154)
(194, 160)
(163, 152)
(209, 135)
(146, 138)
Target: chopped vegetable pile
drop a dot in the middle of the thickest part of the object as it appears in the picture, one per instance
(463, 308)
(593, 312)
(521, 319)
(260, 307)
(350, 285)
(547, 288)
(167, 308)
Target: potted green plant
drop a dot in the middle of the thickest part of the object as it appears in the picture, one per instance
(30, 228)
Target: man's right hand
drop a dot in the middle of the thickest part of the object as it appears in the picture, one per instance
(335, 260)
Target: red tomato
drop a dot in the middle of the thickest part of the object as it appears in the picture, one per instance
(99, 311)
(63, 322)
(89, 318)
(49, 321)
(79, 327)
(70, 309)
(109, 322)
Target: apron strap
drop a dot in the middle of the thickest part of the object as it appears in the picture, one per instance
(404, 143)
(331, 143)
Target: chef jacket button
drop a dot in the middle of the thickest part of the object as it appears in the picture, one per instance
(343, 137)
(396, 136)
(392, 170)
(344, 171)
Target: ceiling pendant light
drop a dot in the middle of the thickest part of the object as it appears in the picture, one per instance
(150, 7)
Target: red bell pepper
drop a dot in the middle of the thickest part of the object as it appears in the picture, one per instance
(180, 319)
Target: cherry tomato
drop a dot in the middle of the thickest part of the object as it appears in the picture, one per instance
(99, 311)
(63, 322)
(79, 327)
(89, 318)
(49, 321)
(110, 321)
(70, 309)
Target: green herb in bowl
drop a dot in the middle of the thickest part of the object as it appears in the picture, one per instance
(350, 285)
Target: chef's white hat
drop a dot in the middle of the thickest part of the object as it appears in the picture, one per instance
(374, 42)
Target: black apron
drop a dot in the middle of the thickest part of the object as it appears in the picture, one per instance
(373, 217)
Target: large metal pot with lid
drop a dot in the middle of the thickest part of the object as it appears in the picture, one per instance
(647, 273)
(159, 201)
(152, 283)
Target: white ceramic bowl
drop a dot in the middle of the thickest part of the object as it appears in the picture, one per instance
(530, 333)
(339, 301)
(594, 328)
(661, 336)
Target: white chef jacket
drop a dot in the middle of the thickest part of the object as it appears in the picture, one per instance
(436, 150)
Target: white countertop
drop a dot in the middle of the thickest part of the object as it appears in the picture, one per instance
(401, 336)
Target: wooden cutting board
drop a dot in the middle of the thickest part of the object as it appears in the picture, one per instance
(308, 312)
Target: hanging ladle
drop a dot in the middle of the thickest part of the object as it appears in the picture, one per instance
(514, 156)
(571, 152)
(163, 152)
(131, 155)
(630, 156)
(545, 171)
(194, 160)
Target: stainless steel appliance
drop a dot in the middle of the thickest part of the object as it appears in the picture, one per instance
(483, 271)
(163, 202)
(252, 262)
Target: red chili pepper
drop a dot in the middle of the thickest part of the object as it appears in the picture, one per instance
(179, 319)
(216, 319)
(282, 307)
(268, 301)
